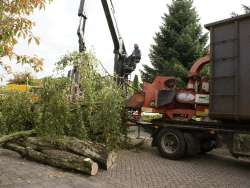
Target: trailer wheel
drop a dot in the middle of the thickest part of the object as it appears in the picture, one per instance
(171, 144)
(207, 146)
(193, 144)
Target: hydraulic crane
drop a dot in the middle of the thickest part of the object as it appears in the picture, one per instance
(81, 27)
(74, 74)
(124, 65)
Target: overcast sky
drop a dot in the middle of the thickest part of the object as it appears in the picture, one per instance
(138, 21)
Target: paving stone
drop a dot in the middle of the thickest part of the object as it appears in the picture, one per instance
(142, 168)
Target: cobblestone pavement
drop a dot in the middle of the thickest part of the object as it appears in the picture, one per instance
(142, 168)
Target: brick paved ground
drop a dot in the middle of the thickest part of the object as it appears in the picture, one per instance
(134, 169)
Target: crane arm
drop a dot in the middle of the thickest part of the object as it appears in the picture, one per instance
(74, 74)
(81, 9)
(119, 46)
(123, 64)
(81, 27)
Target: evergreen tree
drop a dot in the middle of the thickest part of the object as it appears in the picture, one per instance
(178, 44)
(136, 84)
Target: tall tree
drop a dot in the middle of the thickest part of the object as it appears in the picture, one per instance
(15, 23)
(178, 44)
(136, 84)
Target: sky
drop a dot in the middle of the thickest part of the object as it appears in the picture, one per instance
(138, 21)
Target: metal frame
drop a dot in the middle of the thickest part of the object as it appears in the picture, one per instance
(218, 127)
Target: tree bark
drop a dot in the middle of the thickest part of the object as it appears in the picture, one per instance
(96, 152)
(15, 136)
(57, 158)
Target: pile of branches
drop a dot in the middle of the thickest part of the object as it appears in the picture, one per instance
(77, 135)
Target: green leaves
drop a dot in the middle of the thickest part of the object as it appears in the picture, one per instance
(102, 102)
(15, 23)
(136, 84)
(55, 109)
(16, 113)
(96, 115)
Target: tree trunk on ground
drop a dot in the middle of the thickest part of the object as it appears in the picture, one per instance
(16, 136)
(96, 152)
(57, 158)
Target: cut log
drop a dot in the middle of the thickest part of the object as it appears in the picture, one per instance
(96, 152)
(15, 136)
(57, 158)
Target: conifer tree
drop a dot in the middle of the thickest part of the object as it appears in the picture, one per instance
(136, 84)
(178, 44)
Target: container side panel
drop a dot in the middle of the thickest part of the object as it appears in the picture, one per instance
(224, 69)
(223, 74)
(244, 69)
(224, 105)
(223, 87)
(223, 33)
(224, 50)
(230, 78)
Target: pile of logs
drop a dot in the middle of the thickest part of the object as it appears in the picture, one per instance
(67, 153)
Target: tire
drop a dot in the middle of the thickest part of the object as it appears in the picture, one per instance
(207, 146)
(193, 144)
(171, 144)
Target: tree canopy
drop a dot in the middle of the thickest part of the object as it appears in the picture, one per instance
(15, 23)
(178, 44)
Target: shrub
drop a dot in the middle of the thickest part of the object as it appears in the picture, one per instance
(58, 116)
(17, 113)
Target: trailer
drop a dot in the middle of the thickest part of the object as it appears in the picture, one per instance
(211, 111)
(178, 139)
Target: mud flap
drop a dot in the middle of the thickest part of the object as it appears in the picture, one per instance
(193, 144)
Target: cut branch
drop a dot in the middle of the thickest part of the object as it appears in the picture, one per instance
(15, 136)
